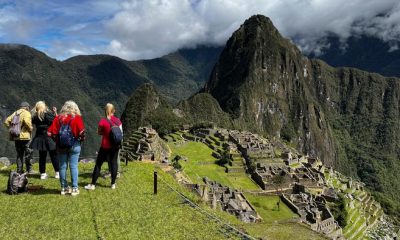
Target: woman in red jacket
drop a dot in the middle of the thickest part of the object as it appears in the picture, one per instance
(69, 131)
(108, 151)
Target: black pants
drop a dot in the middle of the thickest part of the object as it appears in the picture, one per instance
(24, 153)
(106, 155)
(42, 161)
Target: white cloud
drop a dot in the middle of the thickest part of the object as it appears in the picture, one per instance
(146, 29)
(137, 29)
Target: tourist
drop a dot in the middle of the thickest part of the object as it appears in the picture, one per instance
(42, 118)
(69, 131)
(20, 129)
(108, 150)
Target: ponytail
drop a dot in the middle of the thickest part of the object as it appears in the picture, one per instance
(109, 110)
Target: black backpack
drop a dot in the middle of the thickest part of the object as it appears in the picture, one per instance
(17, 183)
(116, 135)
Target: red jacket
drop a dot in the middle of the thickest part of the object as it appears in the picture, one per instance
(104, 129)
(77, 126)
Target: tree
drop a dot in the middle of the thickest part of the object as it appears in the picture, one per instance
(175, 162)
(225, 158)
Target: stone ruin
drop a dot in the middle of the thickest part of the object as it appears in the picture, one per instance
(313, 212)
(251, 144)
(144, 144)
(227, 199)
(264, 176)
(305, 175)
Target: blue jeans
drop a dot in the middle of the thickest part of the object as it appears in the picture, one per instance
(70, 156)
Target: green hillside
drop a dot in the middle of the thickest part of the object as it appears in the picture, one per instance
(29, 75)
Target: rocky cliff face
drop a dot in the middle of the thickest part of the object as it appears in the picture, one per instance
(265, 84)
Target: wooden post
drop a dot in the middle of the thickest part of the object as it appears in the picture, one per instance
(155, 182)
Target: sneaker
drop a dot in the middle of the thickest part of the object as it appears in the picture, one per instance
(90, 187)
(113, 186)
(43, 176)
(57, 175)
(65, 191)
(75, 192)
(118, 174)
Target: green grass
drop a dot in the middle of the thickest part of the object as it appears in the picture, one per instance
(202, 164)
(129, 212)
(268, 210)
(295, 165)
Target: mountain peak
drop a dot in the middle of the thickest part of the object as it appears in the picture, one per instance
(260, 21)
(256, 47)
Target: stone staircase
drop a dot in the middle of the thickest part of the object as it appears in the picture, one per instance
(129, 147)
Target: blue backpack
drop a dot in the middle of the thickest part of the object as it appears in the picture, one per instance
(116, 135)
(66, 139)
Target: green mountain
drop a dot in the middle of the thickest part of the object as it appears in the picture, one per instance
(347, 117)
(147, 106)
(92, 81)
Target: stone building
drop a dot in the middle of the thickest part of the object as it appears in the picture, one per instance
(229, 200)
(313, 212)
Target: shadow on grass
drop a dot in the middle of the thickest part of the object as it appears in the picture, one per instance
(44, 191)
(40, 191)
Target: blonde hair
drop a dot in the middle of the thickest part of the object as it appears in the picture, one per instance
(109, 109)
(40, 109)
(70, 107)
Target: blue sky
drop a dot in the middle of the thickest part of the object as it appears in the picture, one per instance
(137, 29)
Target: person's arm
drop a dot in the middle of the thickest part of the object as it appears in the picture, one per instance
(7, 122)
(100, 128)
(49, 117)
(52, 131)
(27, 120)
(81, 128)
(54, 109)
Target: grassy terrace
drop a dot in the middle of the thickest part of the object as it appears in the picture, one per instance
(277, 224)
(357, 218)
(129, 212)
(201, 163)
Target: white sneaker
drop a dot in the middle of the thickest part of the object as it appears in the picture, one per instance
(57, 175)
(75, 191)
(90, 187)
(113, 186)
(65, 191)
(43, 176)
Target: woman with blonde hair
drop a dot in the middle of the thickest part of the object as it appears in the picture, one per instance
(42, 118)
(108, 149)
(69, 131)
